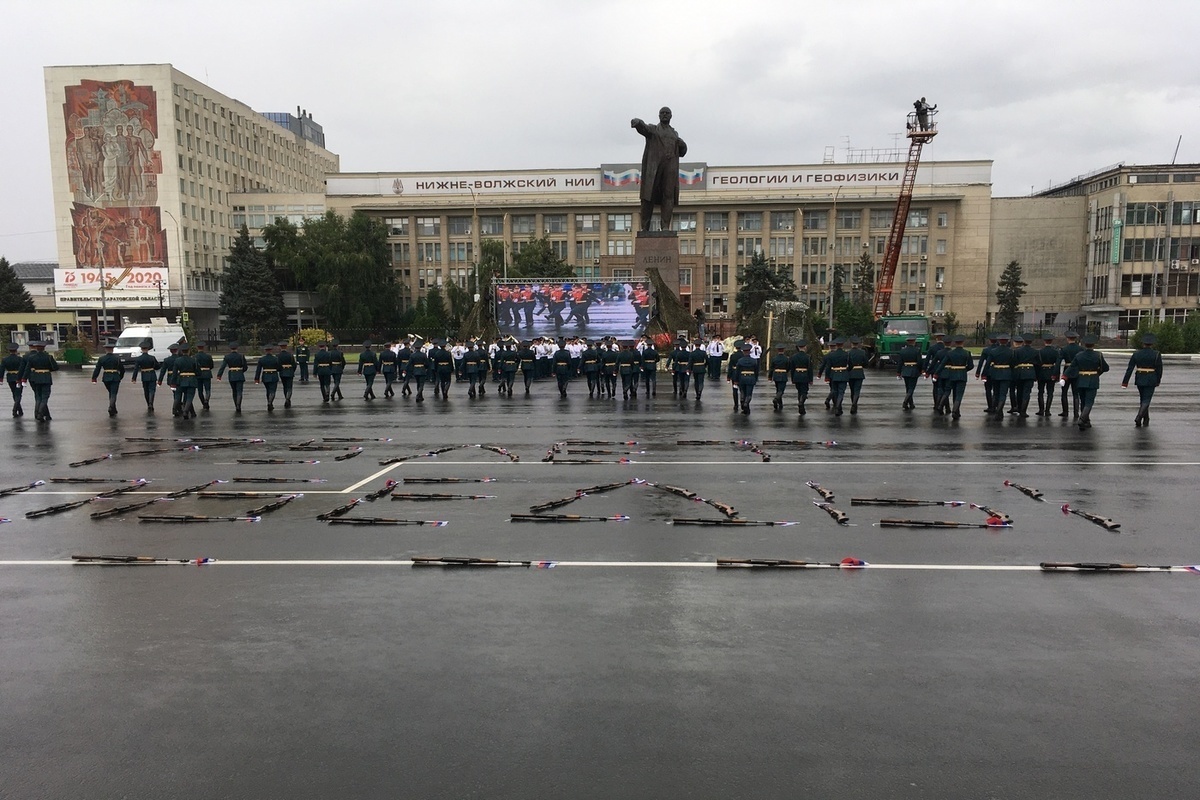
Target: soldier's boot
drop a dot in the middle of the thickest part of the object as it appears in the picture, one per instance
(956, 412)
(17, 410)
(736, 403)
(853, 407)
(801, 408)
(112, 408)
(1085, 418)
(1074, 408)
(237, 407)
(1143, 415)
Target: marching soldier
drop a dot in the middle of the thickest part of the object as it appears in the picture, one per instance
(287, 372)
(418, 368)
(1047, 374)
(983, 370)
(528, 360)
(167, 371)
(561, 361)
(932, 356)
(780, 370)
(1025, 364)
(301, 360)
(857, 358)
(145, 367)
(609, 367)
(908, 368)
(387, 368)
(589, 365)
(1146, 365)
(835, 368)
(368, 365)
(337, 363)
(956, 365)
(184, 376)
(403, 356)
(323, 369)
(1071, 349)
(1086, 369)
(12, 368)
(629, 365)
(698, 366)
(510, 361)
(650, 367)
(678, 362)
(802, 374)
(111, 370)
(40, 367)
(747, 375)
(443, 367)
(473, 368)
(267, 373)
(235, 362)
(204, 373)
(731, 374)
(1000, 368)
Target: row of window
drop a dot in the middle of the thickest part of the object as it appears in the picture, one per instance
(526, 224)
(1185, 212)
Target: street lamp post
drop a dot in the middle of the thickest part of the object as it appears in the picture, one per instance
(182, 275)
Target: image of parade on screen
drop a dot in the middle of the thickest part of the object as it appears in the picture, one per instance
(554, 307)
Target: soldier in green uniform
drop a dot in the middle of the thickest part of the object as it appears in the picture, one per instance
(12, 368)
(443, 367)
(609, 366)
(145, 367)
(403, 356)
(323, 370)
(287, 373)
(368, 366)
(629, 364)
(650, 367)
(1146, 367)
(802, 374)
(908, 368)
(1000, 368)
(698, 366)
(186, 378)
(932, 356)
(302, 360)
(1071, 349)
(1025, 365)
(857, 358)
(474, 368)
(510, 361)
(485, 361)
(528, 359)
(110, 369)
(589, 365)
(677, 361)
(235, 362)
(418, 368)
(267, 373)
(731, 374)
(1085, 369)
(1047, 374)
(204, 373)
(167, 371)
(337, 364)
(387, 368)
(40, 367)
(561, 361)
(982, 370)
(835, 368)
(780, 370)
(747, 376)
(955, 367)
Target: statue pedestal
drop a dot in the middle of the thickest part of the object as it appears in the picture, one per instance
(658, 250)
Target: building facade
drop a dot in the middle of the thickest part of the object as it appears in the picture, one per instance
(148, 165)
(1140, 249)
(807, 219)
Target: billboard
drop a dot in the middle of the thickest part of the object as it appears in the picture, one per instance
(554, 307)
(128, 287)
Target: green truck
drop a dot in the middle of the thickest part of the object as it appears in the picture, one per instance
(892, 331)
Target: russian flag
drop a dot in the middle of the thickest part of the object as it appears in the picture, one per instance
(626, 178)
(691, 177)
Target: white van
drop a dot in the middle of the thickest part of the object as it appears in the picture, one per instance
(162, 333)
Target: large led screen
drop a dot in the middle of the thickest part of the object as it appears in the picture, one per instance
(554, 307)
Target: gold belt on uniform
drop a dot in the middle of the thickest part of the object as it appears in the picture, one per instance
(1091, 372)
(265, 369)
(187, 374)
(149, 369)
(236, 369)
(838, 369)
(910, 363)
(112, 371)
(956, 366)
(1024, 366)
(40, 370)
(1001, 366)
(1146, 369)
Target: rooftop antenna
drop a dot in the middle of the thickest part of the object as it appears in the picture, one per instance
(1178, 142)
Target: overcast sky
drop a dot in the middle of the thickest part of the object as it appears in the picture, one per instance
(1047, 89)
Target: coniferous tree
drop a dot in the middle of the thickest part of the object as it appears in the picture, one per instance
(14, 297)
(250, 296)
(762, 281)
(1008, 296)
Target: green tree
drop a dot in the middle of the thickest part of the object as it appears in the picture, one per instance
(491, 258)
(431, 311)
(854, 319)
(864, 278)
(762, 281)
(951, 322)
(1191, 333)
(1008, 296)
(345, 261)
(537, 260)
(14, 297)
(250, 296)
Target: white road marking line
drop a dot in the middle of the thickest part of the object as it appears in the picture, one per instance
(370, 478)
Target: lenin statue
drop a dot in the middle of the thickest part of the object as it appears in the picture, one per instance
(660, 167)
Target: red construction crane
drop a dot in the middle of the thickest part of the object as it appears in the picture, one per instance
(921, 130)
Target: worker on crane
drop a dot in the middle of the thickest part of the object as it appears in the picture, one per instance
(923, 110)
